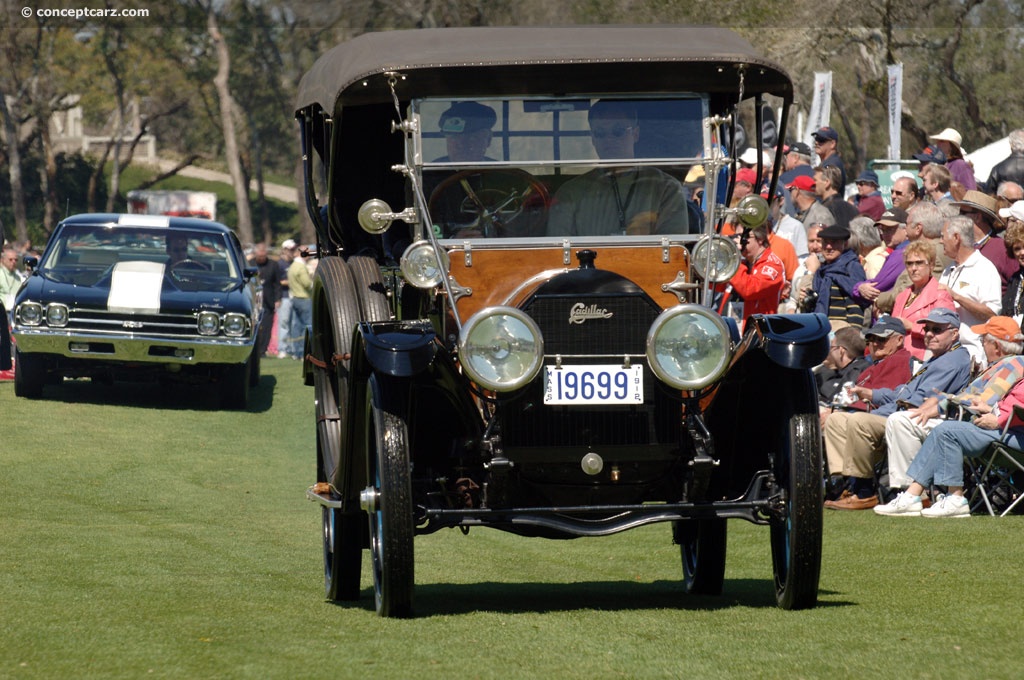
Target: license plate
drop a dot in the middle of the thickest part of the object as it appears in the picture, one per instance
(593, 384)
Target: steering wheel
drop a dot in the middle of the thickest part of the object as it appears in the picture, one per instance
(491, 203)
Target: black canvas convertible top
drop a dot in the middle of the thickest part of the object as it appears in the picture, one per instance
(526, 60)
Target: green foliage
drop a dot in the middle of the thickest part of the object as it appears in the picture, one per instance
(152, 534)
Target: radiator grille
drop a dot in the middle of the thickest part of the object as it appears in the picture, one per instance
(118, 323)
(528, 422)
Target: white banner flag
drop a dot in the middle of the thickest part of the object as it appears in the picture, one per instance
(895, 108)
(821, 106)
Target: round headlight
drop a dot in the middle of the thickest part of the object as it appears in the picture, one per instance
(56, 315)
(29, 313)
(501, 348)
(234, 325)
(419, 265)
(688, 347)
(208, 323)
(725, 258)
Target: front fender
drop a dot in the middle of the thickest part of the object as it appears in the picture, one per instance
(791, 340)
(397, 348)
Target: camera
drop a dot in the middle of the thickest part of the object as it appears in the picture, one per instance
(809, 302)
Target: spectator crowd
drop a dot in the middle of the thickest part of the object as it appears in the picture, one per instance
(923, 291)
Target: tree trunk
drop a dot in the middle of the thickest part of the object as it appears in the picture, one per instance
(227, 120)
(48, 176)
(14, 171)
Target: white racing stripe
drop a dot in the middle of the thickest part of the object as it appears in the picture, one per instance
(135, 287)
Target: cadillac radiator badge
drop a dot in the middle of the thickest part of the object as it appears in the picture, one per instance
(581, 312)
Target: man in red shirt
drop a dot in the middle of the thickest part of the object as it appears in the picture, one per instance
(760, 282)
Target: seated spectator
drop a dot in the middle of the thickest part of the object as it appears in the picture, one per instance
(828, 185)
(866, 240)
(844, 364)
(1013, 298)
(867, 200)
(949, 141)
(892, 227)
(981, 208)
(905, 430)
(972, 281)
(890, 367)
(835, 279)
(803, 278)
(941, 458)
(923, 295)
(858, 438)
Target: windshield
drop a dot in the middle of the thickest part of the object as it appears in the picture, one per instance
(562, 167)
(89, 255)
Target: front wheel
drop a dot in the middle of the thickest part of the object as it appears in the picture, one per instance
(235, 386)
(343, 555)
(388, 501)
(796, 532)
(29, 374)
(702, 548)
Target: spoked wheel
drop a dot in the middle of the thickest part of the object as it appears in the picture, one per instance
(335, 315)
(490, 203)
(702, 548)
(388, 500)
(796, 534)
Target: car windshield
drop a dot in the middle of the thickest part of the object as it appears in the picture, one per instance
(89, 255)
(561, 167)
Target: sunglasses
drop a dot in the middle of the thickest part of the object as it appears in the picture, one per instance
(935, 330)
(894, 192)
(616, 132)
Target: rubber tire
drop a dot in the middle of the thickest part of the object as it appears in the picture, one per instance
(702, 547)
(373, 295)
(254, 368)
(343, 554)
(29, 374)
(335, 316)
(235, 385)
(796, 540)
(391, 524)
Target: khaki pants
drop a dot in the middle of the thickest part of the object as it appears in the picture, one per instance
(854, 443)
(903, 438)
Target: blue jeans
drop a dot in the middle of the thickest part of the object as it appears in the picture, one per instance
(941, 458)
(284, 326)
(302, 320)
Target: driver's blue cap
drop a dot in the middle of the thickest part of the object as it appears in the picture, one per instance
(467, 116)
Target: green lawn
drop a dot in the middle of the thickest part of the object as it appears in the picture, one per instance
(146, 533)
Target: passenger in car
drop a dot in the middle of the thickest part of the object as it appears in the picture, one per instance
(467, 129)
(626, 199)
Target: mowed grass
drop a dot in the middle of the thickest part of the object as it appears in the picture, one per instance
(146, 533)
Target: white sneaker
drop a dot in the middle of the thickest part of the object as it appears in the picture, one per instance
(949, 505)
(282, 355)
(904, 504)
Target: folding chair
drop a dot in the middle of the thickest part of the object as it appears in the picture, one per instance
(998, 475)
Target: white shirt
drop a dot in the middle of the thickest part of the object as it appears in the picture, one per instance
(794, 231)
(978, 279)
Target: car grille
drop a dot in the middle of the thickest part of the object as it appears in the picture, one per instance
(118, 323)
(528, 422)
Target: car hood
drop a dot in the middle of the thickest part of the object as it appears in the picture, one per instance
(171, 299)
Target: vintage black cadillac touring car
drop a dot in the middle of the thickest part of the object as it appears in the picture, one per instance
(139, 297)
(514, 309)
